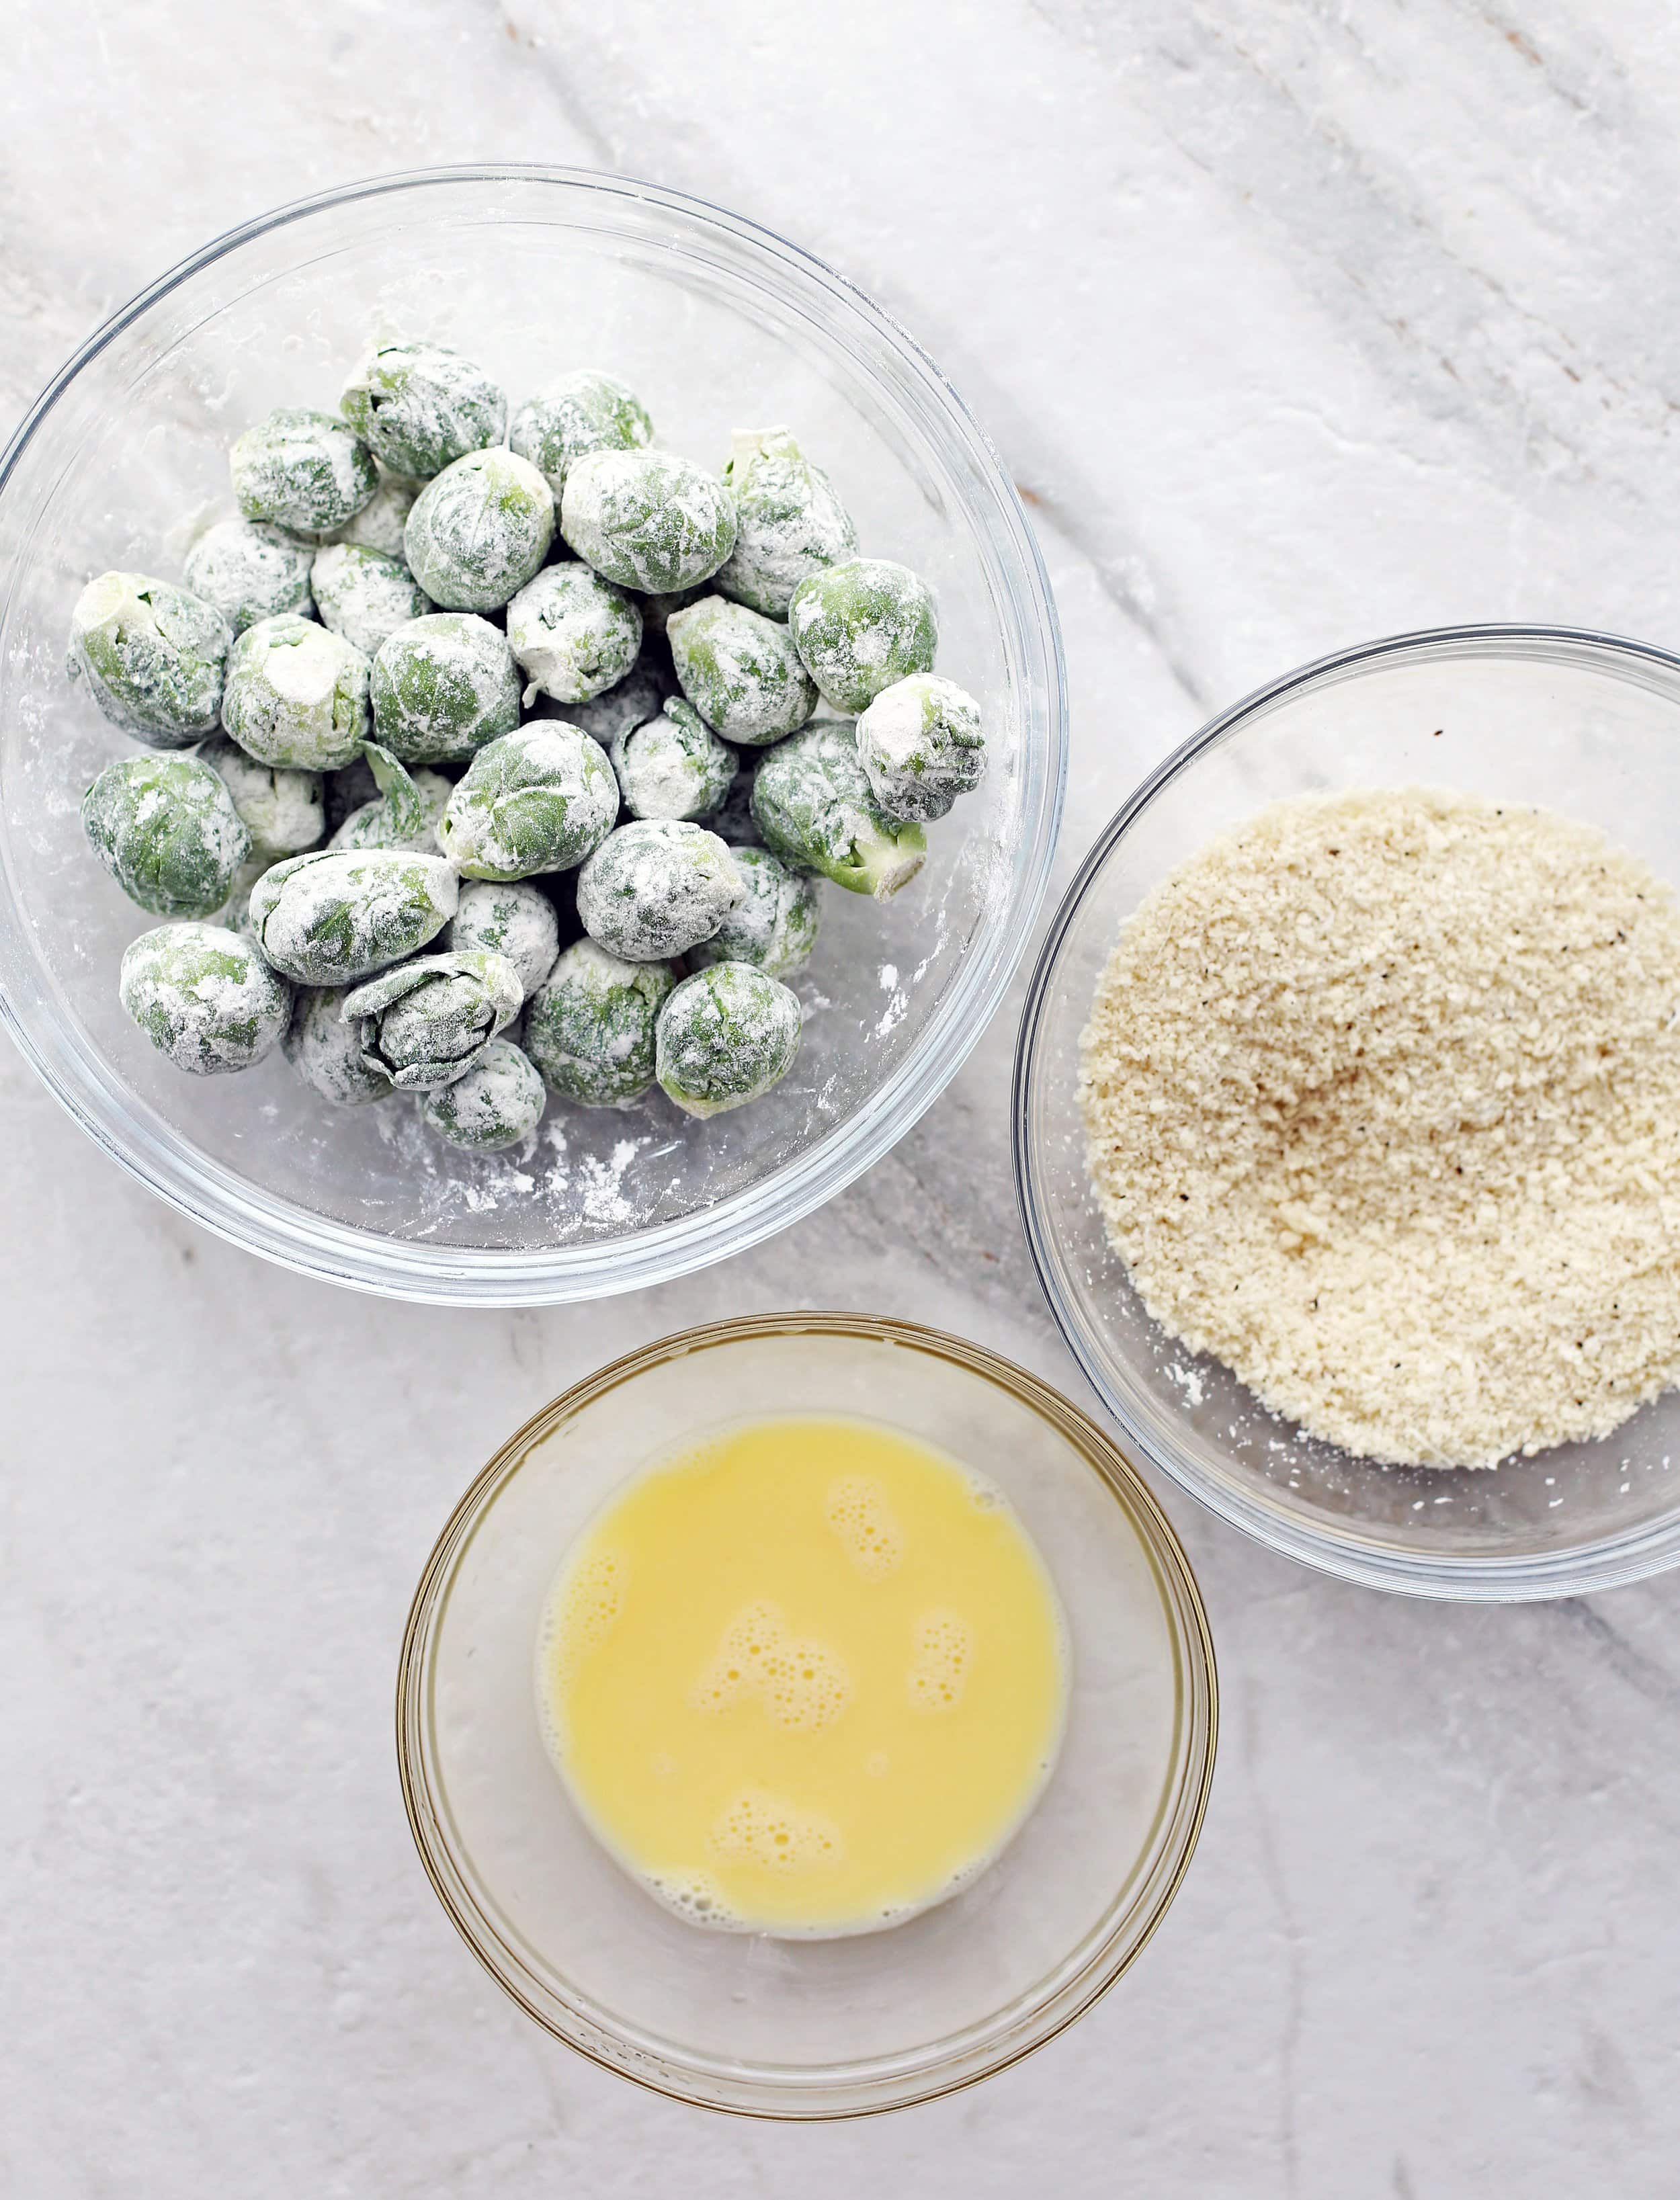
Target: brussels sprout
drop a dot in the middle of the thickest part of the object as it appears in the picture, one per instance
(429, 1021)
(204, 996)
(674, 766)
(153, 655)
(498, 1102)
(303, 470)
(379, 524)
(861, 626)
(479, 531)
(739, 670)
(589, 1027)
(404, 812)
(284, 811)
(790, 524)
(648, 519)
(420, 408)
(338, 915)
(656, 888)
(815, 808)
(363, 595)
(296, 695)
(638, 697)
(921, 745)
(540, 799)
(250, 571)
(581, 411)
(326, 1051)
(509, 918)
(166, 830)
(443, 686)
(574, 634)
(724, 1036)
(774, 927)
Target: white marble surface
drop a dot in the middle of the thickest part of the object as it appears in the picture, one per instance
(1297, 325)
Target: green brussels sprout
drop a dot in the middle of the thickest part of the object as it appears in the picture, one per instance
(921, 745)
(815, 808)
(540, 799)
(648, 519)
(326, 1053)
(507, 917)
(774, 927)
(656, 888)
(153, 655)
(338, 915)
(364, 595)
(638, 697)
(296, 695)
(581, 411)
(724, 1036)
(419, 407)
(431, 1020)
(203, 997)
(250, 571)
(574, 634)
(589, 1027)
(790, 524)
(498, 1102)
(479, 531)
(404, 814)
(379, 524)
(284, 811)
(861, 626)
(166, 830)
(303, 470)
(674, 766)
(739, 670)
(443, 687)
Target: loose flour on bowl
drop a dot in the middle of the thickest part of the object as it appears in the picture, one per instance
(1382, 1096)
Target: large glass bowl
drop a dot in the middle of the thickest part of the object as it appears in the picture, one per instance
(809, 2028)
(1580, 722)
(717, 324)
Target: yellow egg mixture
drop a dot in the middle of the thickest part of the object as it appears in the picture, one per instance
(806, 1678)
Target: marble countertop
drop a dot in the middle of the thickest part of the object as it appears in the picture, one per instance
(1297, 326)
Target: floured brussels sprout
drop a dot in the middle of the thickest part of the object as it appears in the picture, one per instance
(443, 687)
(509, 918)
(296, 695)
(725, 1037)
(581, 411)
(638, 697)
(419, 407)
(773, 927)
(648, 519)
(203, 997)
(364, 596)
(589, 1027)
(404, 812)
(656, 888)
(429, 1021)
(574, 634)
(337, 914)
(921, 745)
(540, 799)
(326, 1053)
(790, 523)
(153, 656)
(861, 626)
(306, 471)
(740, 671)
(379, 524)
(479, 531)
(249, 570)
(674, 766)
(166, 830)
(284, 811)
(815, 808)
(498, 1102)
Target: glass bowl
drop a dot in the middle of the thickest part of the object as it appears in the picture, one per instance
(1580, 722)
(717, 323)
(812, 2028)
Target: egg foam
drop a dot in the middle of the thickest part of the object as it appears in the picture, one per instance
(806, 1677)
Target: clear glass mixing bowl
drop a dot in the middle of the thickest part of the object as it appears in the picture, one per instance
(807, 2029)
(717, 324)
(1580, 722)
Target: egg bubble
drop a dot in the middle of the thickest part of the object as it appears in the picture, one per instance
(938, 1670)
(696, 1897)
(581, 1616)
(800, 1681)
(857, 1511)
(760, 1827)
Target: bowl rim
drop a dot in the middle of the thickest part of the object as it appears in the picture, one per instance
(860, 2088)
(1604, 1562)
(214, 1195)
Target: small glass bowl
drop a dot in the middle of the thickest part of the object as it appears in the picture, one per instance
(717, 324)
(809, 2029)
(1578, 723)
